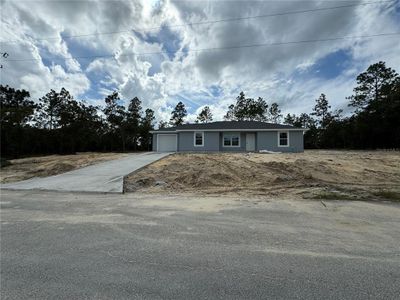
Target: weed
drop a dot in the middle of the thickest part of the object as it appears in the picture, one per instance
(389, 195)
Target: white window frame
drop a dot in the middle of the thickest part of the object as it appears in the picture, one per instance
(202, 139)
(279, 139)
(230, 146)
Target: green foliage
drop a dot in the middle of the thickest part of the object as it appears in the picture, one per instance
(247, 109)
(146, 125)
(289, 119)
(178, 114)
(374, 86)
(162, 124)
(205, 115)
(388, 195)
(133, 119)
(275, 113)
(60, 124)
(15, 107)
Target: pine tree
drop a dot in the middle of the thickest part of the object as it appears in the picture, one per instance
(178, 115)
(205, 115)
(275, 113)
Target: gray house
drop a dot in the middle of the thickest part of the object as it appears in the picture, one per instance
(229, 136)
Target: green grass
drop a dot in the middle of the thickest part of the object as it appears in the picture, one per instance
(388, 195)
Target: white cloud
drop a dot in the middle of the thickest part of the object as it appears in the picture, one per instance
(276, 73)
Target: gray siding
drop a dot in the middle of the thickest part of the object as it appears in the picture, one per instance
(154, 142)
(268, 140)
(232, 149)
(213, 141)
(186, 141)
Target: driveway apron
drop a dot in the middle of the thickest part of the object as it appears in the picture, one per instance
(103, 177)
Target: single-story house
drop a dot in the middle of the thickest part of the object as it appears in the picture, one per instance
(229, 136)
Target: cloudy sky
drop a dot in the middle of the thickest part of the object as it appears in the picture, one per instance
(197, 52)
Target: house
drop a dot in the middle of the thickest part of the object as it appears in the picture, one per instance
(229, 136)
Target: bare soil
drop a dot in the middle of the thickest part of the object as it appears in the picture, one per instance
(42, 166)
(319, 174)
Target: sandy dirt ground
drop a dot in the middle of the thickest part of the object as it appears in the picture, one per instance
(319, 174)
(42, 166)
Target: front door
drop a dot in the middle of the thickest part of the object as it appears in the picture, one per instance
(250, 142)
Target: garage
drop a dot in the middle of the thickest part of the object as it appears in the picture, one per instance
(166, 143)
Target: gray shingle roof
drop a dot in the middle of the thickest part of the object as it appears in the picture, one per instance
(231, 125)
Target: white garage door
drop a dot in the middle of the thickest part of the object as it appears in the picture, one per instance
(166, 143)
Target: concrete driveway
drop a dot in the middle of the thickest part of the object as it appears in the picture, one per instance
(138, 246)
(104, 177)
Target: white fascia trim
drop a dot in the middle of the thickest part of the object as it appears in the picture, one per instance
(171, 132)
(279, 140)
(202, 139)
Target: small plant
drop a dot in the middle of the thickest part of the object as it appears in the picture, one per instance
(332, 196)
(389, 195)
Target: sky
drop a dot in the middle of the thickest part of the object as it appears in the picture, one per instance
(198, 52)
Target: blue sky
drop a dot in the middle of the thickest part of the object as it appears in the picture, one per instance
(292, 75)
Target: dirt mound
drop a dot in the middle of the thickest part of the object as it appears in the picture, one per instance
(260, 173)
(201, 172)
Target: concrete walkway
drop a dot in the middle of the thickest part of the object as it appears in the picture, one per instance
(103, 177)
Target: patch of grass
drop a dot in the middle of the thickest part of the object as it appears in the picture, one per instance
(389, 195)
(332, 196)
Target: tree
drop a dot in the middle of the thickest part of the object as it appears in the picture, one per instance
(147, 124)
(16, 109)
(178, 114)
(61, 124)
(374, 85)
(51, 108)
(68, 110)
(247, 109)
(290, 119)
(230, 114)
(377, 103)
(275, 113)
(133, 119)
(116, 116)
(304, 121)
(205, 115)
(259, 110)
(321, 110)
(162, 124)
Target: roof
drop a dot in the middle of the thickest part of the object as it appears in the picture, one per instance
(229, 125)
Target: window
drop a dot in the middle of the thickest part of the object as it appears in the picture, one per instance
(283, 139)
(227, 140)
(231, 140)
(199, 139)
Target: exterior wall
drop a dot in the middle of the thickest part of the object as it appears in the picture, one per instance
(242, 143)
(154, 142)
(213, 142)
(268, 140)
(186, 141)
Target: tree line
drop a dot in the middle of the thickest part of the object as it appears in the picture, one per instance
(58, 123)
